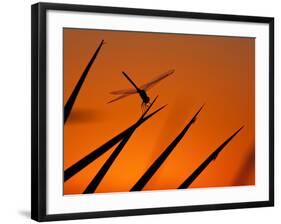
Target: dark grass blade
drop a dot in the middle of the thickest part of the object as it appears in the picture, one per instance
(160, 160)
(71, 100)
(204, 165)
(91, 188)
(85, 161)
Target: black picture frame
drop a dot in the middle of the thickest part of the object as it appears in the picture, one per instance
(38, 110)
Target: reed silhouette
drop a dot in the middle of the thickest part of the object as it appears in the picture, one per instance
(106, 166)
(91, 188)
(71, 100)
(164, 155)
(204, 165)
(85, 161)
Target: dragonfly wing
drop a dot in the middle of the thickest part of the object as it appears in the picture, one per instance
(150, 84)
(124, 91)
(119, 98)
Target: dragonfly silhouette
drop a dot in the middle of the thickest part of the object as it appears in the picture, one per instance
(140, 90)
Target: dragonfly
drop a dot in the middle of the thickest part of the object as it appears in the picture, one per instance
(140, 90)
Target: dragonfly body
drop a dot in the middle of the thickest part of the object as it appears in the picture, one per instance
(141, 91)
(144, 97)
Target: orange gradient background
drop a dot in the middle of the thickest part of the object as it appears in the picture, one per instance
(215, 70)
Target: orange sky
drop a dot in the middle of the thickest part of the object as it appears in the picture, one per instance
(217, 71)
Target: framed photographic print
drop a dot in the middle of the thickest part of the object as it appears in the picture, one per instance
(138, 111)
